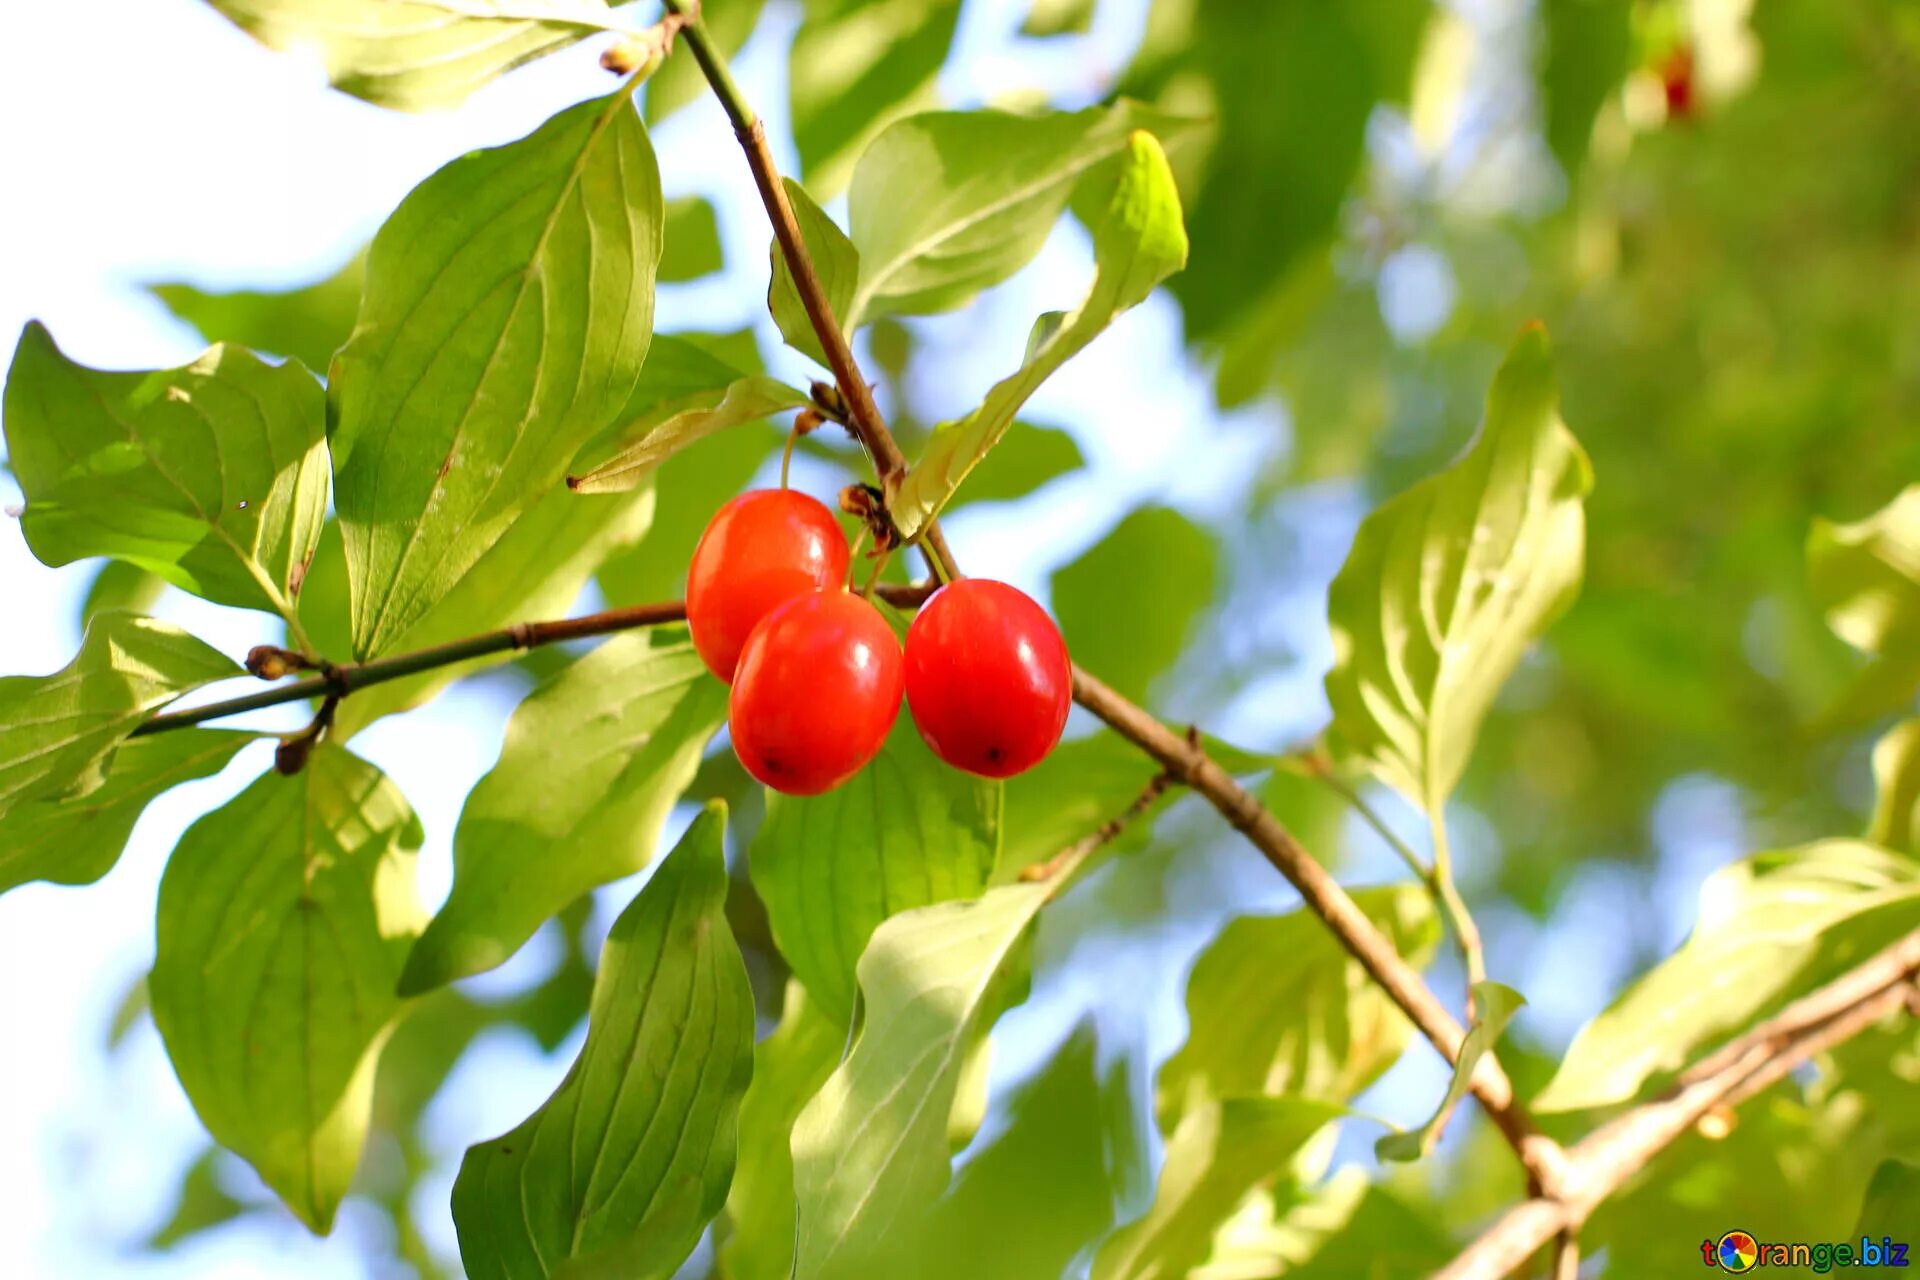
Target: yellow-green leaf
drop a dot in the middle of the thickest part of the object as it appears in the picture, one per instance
(1449, 583)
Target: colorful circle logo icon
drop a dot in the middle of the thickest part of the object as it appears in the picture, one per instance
(1737, 1252)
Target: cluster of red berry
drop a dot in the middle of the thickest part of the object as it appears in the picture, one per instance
(818, 673)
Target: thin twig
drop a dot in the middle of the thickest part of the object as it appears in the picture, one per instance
(1106, 833)
(1602, 1162)
(339, 681)
(1316, 766)
(1566, 1256)
(1466, 934)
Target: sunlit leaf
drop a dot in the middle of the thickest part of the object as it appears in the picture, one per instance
(594, 761)
(856, 65)
(285, 916)
(870, 1152)
(1896, 768)
(946, 203)
(1494, 1006)
(835, 261)
(1027, 459)
(123, 587)
(1023, 1207)
(418, 55)
(618, 1172)
(1866, 576)
(57, 731)
(1276, 1006)
(1157, 569)
(213, 476)
(745, 401)
(1220, 1152)
(1067, 796)
(308, 323)
(536, 570)
(906, 832)
(691, 240)
(1449, 583)
(1139, 244)
(789, 1067)
(1771, 927)
(77, 839)
(508, 309)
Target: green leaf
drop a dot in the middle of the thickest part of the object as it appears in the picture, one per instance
(76, 840)
(1893, 1202)
(747, 400)
(201, 1205)
(679, 81)
(1494, 1007)
(870, 1152)
(1294, 83)
(123, 588)
(835, 261)
(418, 56)
(906, 832)
(508, 309)
(1449, 583)
(946, 203)
(1026, 1205)
(594, 761)
(57, 731)
(1866, 576)
(1220, 1153)
(1068, 795)
(1276, 1006)
(1157, 569)
(1896, 767)
(1588, 51)
(284, 918)
(855, 66)
(1028, 458)
(618, 1172)
(1771, 927)
(691, 240)
(213, 475)
(1058, 18)
(309, 323)
(1140, 242)
(789, 1067)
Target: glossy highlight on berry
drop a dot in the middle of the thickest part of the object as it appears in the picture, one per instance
(759, 551)
(988, 679)
(817, 689)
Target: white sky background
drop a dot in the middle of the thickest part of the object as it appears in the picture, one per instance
(149, 140)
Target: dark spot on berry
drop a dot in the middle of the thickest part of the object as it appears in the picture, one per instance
(993, 755)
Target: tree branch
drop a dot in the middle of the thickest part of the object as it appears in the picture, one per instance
(1601, 1163)
(342, 680)
(1188, 762)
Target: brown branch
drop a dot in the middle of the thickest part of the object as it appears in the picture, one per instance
(1566, 1256)
(1601, 1163)
(339, 681)
(1187, 761)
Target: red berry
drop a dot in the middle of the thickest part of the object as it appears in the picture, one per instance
(817, 689)
(760, 550)
(988, 679)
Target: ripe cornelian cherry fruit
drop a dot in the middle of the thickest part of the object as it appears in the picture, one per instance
(759, 551)
(817, 689)
(988, 679)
